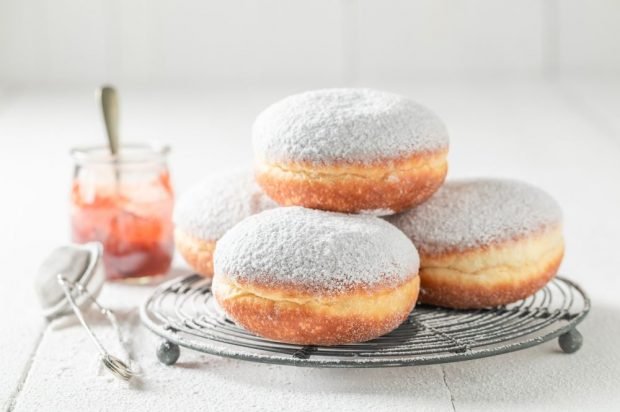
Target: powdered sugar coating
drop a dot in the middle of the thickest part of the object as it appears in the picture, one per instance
(346, 125)
(218, 203)
(323, 252)
(468, 214)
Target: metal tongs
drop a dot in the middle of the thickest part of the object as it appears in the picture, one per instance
(62, 285)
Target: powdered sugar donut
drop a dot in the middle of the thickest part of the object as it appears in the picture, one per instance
(311, 277)
(350, 150)
(484, 242)
(205, 212)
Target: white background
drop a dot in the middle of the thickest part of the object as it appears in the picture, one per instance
(529, 89)
(193, 43)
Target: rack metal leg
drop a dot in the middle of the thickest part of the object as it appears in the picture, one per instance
(571, 341)
(168, 353)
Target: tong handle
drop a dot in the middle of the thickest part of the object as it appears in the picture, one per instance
(118, 368)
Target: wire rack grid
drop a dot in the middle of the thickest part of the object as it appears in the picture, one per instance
(184, 312)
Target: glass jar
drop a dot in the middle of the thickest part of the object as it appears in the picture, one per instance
(125, 202)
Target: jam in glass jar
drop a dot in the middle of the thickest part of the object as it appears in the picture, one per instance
(125, 202)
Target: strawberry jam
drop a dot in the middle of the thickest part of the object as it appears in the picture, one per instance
(126, 204)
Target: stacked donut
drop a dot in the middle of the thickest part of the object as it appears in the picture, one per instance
(297, 256)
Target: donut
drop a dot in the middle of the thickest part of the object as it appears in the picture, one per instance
(484, 242)
(349, 150)
(312, 277)
(205, 212)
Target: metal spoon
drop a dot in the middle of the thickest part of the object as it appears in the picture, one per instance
(109, 106)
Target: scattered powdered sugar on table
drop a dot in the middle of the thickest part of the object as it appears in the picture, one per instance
(325, 252)
(466, 214)
(218, 203)
(346, 125)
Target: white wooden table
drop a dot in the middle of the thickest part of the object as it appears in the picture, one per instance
(564, 137)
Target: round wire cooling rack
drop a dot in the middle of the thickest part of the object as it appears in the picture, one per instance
(183, 312)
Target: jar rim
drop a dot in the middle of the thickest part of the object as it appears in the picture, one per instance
(129, 153)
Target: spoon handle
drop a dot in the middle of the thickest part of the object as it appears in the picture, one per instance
(109, 106)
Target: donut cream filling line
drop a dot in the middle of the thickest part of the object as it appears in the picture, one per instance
(383, 300)
(417, 163)
(512, 260)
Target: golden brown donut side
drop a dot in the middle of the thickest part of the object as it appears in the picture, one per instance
(198, 253)
(392, 184)
(491, 276)
(305, 319)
